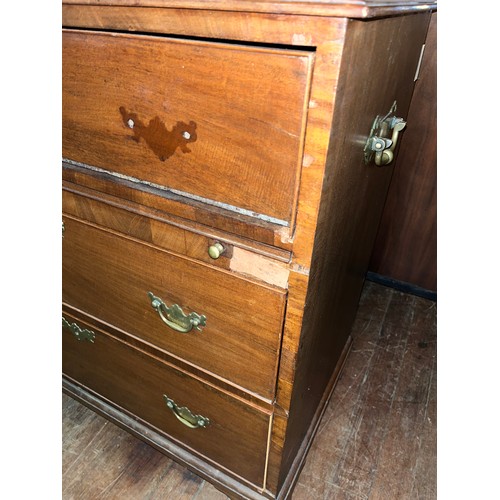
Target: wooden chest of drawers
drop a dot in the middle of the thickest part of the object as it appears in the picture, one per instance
(223, 178)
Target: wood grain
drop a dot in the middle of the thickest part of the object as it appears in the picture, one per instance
(218, 94)
(351, 204)
(406, 244)
(167, 204)
(237, 344)
(343, 8)
(160, 228)
(370, 443)
(120, 465)
(391, 328)
(236, 436)
(360, 68)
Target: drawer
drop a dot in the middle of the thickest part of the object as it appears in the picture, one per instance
(235, 435)
(118, 280)
(223, 123)
(197, 241)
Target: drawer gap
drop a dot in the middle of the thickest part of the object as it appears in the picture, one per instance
(174, 193)
(225, 41)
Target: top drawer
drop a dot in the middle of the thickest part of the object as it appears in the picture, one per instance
(222, 122)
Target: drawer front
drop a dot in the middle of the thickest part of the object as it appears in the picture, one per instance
(219, 121)
(235, 435)
(136, 287)
(196, 241)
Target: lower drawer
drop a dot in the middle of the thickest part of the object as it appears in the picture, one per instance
(194, 414)
(119, 279)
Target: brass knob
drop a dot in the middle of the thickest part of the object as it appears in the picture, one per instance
(216, 250)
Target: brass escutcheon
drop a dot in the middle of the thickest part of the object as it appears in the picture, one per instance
(79, 333)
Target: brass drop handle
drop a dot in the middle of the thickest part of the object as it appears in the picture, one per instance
(379, 147)
(174, 316)
(216, 250)
(185, 415)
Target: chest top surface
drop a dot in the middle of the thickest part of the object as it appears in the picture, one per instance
(334, 8)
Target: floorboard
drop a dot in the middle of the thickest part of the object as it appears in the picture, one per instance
(376, 440)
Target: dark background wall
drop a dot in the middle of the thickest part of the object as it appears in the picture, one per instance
(405, 249)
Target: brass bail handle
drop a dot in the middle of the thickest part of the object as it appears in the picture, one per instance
(174, 316)
(379, 147)
(185, 415)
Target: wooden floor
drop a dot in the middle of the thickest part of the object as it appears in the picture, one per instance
(377, 438)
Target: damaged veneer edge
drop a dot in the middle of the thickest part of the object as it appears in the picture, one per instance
(207, 201)
(272, 232)
(246, 262)
(263, 268)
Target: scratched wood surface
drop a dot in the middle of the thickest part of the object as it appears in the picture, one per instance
(377, 438)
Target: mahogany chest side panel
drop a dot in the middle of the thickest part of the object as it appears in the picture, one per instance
(406, 244)
(352, 201)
